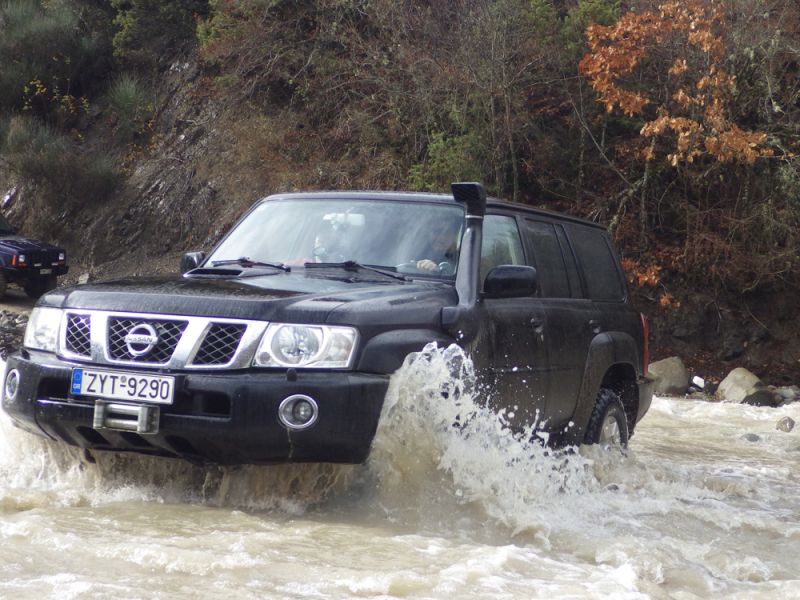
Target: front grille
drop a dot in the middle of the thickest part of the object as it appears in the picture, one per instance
(41, 257)
(169, 333)
(220, 344)
(79, 335)
(184, 342)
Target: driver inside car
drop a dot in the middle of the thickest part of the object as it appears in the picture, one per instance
(441, 253)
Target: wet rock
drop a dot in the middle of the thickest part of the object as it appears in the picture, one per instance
(671, 375)
(751, 437)
(763, 397)
(789, 393)
(12, 330)
(786, 424)
(85, 278)
(742, 386)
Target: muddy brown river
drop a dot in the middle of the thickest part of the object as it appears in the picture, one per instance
(705, 504)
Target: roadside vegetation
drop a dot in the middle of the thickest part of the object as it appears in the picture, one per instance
(675, 123)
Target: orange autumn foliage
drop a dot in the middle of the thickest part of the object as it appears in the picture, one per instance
(646, 275)
(695, 114)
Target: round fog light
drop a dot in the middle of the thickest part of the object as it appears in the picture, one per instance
(12, 384)
(298, 412)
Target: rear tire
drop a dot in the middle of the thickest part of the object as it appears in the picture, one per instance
(36, 287)
(608, 424)
(3, 285)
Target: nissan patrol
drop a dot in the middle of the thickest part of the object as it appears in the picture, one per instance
(278, 345)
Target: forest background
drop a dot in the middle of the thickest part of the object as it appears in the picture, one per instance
(134, 130)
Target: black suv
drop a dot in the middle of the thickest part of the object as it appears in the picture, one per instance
(278, 346)
(32, 264)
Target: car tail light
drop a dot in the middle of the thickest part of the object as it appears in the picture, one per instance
(646, 343)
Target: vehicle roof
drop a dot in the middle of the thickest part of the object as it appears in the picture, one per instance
(428, 197)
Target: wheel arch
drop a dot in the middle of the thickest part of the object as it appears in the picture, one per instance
(610, 362)
(385, 352)
(621, 378)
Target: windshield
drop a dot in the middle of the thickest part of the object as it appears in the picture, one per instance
(412, 237)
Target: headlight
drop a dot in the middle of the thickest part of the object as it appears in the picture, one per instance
(312, 346)
(42, 331)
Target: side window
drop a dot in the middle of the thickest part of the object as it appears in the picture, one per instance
(501, 243)
(598, 263)
(548, 259)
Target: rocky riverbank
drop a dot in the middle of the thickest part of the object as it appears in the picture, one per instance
(739, 386)
(12, 330)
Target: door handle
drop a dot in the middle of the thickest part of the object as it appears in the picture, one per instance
(595, 326)
(537, 324)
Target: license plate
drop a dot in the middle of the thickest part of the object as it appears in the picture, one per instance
(45, 271)
(119, 385)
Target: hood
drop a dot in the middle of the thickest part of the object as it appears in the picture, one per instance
(299, 296)
(21, 243)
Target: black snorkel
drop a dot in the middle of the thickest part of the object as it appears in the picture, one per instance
(460, 320)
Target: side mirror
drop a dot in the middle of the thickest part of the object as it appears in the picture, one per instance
(510, 281)
(191, 260)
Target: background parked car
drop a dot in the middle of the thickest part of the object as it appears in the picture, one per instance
(32, 264)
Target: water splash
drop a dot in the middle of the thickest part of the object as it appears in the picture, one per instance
(37, 472)
(440, 447)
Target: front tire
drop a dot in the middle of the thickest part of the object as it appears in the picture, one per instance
(608, 425)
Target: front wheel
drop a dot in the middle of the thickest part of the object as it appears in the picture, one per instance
(608, 425)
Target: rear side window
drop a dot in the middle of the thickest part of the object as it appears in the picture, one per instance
(548, 259)
(598, 263)
(501, 243)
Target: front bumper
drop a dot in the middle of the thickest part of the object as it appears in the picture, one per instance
(221, 417)
(17, 274)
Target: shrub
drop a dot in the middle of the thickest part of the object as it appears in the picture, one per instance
(57, 166)
(148, 30)
(59, 44)
(127, 99)
(448, 160)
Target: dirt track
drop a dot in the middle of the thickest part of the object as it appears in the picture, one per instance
(16, 301)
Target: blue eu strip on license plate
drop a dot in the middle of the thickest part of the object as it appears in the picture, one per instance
(77, 376)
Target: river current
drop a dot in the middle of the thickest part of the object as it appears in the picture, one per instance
(704, 504)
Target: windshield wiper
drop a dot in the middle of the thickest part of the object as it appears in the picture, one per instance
(351, 265)
(247, 262)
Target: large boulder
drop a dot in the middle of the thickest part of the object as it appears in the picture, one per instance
(671, 376)
(744, 387)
